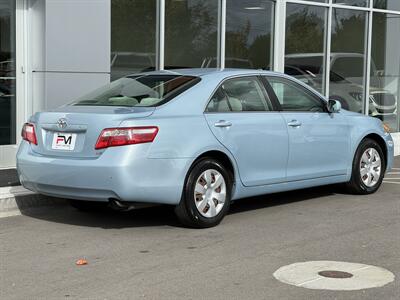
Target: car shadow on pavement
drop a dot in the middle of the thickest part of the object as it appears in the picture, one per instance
(276, 199)
(163, 215)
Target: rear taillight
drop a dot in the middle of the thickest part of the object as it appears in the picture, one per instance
(113, 137)
(28, 133)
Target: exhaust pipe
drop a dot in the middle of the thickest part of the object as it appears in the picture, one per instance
(126, 206)
(115, 204)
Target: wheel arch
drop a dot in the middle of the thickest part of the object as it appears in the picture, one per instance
(186, 210)
(222, 157)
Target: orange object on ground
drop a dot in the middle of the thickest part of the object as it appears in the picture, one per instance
(81, 262)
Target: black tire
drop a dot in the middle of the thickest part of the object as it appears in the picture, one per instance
(186, 211)
(356, 184)
(87, 205)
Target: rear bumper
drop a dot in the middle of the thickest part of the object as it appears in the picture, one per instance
(122, 173)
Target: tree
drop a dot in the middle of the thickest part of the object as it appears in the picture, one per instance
(305, 33)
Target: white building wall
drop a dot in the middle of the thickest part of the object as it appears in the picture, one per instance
(70, 49)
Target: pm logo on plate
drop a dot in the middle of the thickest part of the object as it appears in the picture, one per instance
(64, 141)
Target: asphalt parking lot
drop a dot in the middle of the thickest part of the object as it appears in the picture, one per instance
(145, 254)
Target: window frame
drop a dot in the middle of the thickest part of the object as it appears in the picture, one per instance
(259, 79)
(306, 89)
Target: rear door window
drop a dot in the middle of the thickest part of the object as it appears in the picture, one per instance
(240, 95)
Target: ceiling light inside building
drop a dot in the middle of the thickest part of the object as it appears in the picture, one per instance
(254, 8)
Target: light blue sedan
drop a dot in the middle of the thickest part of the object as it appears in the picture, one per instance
(197, 139)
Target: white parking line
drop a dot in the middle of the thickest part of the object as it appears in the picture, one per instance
(392, 178)
(393, 173)
(391, 182)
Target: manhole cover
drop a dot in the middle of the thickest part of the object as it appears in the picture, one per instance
(334, 275)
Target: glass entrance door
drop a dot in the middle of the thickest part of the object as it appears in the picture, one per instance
(7, 79)
(7, 72)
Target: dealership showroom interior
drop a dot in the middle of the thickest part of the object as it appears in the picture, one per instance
(114, 111)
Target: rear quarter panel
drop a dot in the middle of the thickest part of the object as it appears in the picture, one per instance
(183, 130)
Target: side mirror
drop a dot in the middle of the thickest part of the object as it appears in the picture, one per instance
(333, 106)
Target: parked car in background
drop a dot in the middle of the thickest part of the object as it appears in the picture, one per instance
(231, 62)
(346, 81)
(7, 68)
(198, 139)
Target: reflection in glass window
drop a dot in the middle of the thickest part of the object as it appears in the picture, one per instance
(249, 34)
(191, 33)
(7, 73)
(385, 70)
(350, 66)
(305, 44)
(348, 59)
(387, 4)
(362, 3)
(133, 36)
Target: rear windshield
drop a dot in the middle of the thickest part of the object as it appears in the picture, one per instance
(140, 90)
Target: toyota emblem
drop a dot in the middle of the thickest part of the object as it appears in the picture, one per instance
(62, 123)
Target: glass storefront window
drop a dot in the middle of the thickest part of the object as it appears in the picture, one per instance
(305, 53)
(385, 70)
(133, 36)
(348, 58)
(321, 1)
(7, 73)
(362, 3)
(249, 34)
(191, 33)
(387, 4)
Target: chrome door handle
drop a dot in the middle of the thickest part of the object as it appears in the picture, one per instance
(294, 123)
(223, 123)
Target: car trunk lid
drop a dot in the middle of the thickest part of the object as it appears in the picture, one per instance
(72, 131)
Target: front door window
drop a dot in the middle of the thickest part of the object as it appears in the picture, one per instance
(293, 97)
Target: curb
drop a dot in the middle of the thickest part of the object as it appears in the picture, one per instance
(16, 199)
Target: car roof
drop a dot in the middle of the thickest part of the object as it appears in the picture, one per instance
(201, 72)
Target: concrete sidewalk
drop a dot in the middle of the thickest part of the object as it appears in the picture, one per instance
(14, 200)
